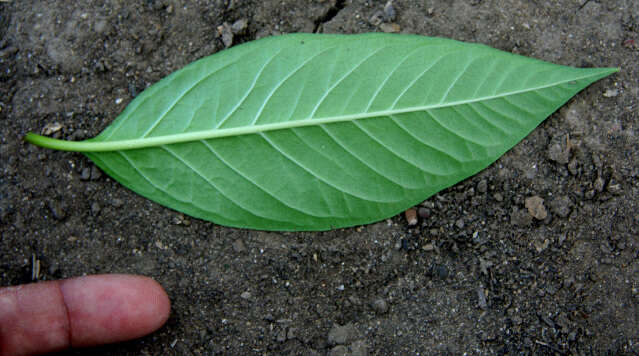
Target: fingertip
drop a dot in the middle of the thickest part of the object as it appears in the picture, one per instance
(112, 308)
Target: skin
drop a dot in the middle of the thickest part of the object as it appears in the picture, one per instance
(86, 311)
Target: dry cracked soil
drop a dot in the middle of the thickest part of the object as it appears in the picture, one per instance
(538, 254)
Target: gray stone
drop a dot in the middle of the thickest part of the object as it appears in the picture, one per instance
(560, 206)
(359, 348)
(95, 173)
(57, 209)
(390, 14)
(86, 173)
(339, 351)
(239, 26)
(482, 186)
(380, 306)
(238, 246)
(559, 154)
(341, 335)
(520, 217)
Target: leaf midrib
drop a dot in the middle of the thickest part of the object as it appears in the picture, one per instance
(92, 145)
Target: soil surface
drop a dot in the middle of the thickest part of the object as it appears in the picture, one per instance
(537, 254)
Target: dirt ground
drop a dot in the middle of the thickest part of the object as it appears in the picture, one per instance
(477, 275)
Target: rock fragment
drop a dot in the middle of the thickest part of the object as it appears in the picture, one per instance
(95, 173)
(85, 174)
(481, 297)
(239, 26)
(599, 184)
(339, 351)
(610, 93)
(556, 152)
(377, 18)
(389, 11)
(423, 213)
(341, 335)
(380, 306)
(520, 217)
(238, 246)
(226, 33)
(482, 186)
(359, 348)
(390, 27)
(411, 216)
(51, 128)
(536, 208)
(561, 206)
(57, 209)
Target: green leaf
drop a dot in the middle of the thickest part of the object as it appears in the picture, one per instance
(315, 132)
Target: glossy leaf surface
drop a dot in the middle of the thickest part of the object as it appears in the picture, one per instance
(314, 132)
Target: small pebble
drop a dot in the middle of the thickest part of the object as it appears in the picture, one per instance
(239, 26)
(611, 93)
(51, 128)
(557, 153)
(377, 18)
(341, 335)
(599, 184)
(57, 209)
(389, 11)
(238, 246)
(359, 348)
(614, 187)
(354, 300)
(53, 268)
(411, 216)
(459, 223)
(85, 174)
(95, 173)
(482, 186)
(520, 217)
(390, 27)
(245, 295)
(481, 296)
(290, 335)
(380, 306)
(428, 204)
(339, 350)
(561, 206)
(441, 271)
(541, 245)
(535, 206)
(117, 203)
(226, 33)
(423, 213)
(8, 52)
(281, 336)
(573, 167)
(95, 208)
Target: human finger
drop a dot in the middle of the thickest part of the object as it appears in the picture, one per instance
(84, 311)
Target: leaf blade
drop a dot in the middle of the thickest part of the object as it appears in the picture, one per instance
(320, 132)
